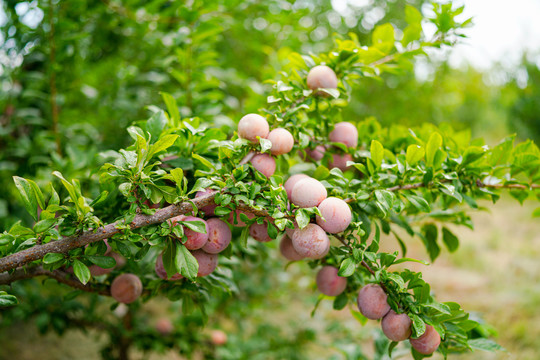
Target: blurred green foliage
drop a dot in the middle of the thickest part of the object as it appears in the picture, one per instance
(93, 68)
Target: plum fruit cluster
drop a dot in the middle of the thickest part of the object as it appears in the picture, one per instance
(372, 303)
(309, 242)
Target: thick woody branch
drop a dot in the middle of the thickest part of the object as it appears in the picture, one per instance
(72, 242)
(58, 275)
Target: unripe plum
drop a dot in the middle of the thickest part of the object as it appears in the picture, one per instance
(372, 301)
(208, 209)
(207, 262)
(126, 288)
(345, 133)
(291, 181)
(239, 222)
(218, 337)
(164, 326)
(287, 250)
(195, 240)
(282, 141)
(251, 126)
(427, 343)
(264, 163)
(396, 327)
(308, 192)
(336, 213)
(311, 242)
(219, 236)
(162, 273)
(329, 282)
(321, 76)
(340, 161)
(260, 232)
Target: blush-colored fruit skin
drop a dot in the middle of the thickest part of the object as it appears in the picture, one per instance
(336, 213)
(207, 262)
(195, 240)
(372, 302)
(317, 153)
(340, 161)
(251, 126)
(98, 270)
(282, 141)
(162, 273)
(345, 133)
(287, 249)
(219, 236)
(260, 232)
(126, 288)
(329, 282)
(396, 327)
(428, 343)
(265, 164)
(322, 77)
(239, 222)
(291, 181)
(218, 337)
(311, 242)
(208, 209)
(164, 326)
(308, 193)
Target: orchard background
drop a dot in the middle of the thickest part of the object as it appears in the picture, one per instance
(80, 79)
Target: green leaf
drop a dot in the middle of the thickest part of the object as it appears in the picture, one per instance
(383, 38)
(157, 122)
(220, 211)
(302, 219)
(412, 15)
(44, 225)
(265, 145)
(419, 202)
(442, 308)
(430, 240)
(162, 144)
(204, 161)
(415, 153)
(347, 268)
(201, 184)
(7, 300)
(405, 259)
(6, 238)
(81, 271)
(172, 107)
(419, 326)
(450, 240)
(197, 226)
(434, 143)
(178, 175)
(485, 345)
(377, 153)
(28, 196)
(105, 262)
(386, 198)
(51, 258)
(186, 263)
(340, 301)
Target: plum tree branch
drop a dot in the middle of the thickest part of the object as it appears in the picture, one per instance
(58, 275)
(66, 244)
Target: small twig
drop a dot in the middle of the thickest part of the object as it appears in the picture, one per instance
(247, 158)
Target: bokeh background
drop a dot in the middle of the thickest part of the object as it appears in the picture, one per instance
(77, 73)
